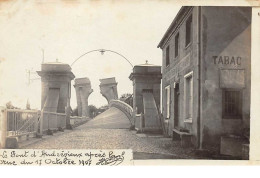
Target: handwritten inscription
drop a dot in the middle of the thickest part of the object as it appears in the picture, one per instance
(227, 60)
(112, 159)
(65, 157)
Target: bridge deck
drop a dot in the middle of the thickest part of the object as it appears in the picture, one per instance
(112, 118)
(110, 130)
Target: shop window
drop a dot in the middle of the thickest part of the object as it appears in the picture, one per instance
(167, 56)
(188, 30)
(188, 96)
(168, 101)
(232, 104)
(176, 45)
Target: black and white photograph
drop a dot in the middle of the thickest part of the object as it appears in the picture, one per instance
(121, 82)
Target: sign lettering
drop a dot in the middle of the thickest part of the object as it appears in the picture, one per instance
(227, 60)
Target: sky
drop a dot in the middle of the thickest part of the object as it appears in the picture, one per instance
(65, 30)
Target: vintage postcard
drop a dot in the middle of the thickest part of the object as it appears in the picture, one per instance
(88, 83)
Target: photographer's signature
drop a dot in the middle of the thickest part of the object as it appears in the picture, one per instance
(112, 159)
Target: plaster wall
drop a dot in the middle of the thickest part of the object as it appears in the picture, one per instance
(226, 33)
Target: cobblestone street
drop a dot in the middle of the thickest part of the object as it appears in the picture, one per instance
(110, 130)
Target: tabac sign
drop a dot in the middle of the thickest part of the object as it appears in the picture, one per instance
(227, 60)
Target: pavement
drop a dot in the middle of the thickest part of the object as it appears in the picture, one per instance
(110, 130)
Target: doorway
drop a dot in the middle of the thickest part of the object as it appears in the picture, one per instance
(176, 105)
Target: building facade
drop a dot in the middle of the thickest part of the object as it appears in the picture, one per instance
(206, 73)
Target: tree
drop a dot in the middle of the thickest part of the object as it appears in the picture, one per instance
(124, 96)
(127, 98)
(75, 112)
(9, 105)
(102, 109)
(92, 111)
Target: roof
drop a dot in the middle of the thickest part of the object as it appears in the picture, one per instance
(174, 24)
(55, 66)
(55, 63)
(146, 65)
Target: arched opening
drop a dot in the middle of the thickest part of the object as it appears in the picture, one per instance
(96, 67)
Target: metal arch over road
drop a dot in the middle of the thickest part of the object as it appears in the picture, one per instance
(102, 52)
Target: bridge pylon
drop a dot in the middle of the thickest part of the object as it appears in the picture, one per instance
(108, 88)
(146, 97)
(83, 90)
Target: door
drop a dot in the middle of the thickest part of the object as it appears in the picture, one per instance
(176, 106)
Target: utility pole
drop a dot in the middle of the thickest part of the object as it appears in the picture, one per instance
(30, 72)
(42, 55)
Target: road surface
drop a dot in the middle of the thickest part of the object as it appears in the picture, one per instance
(110, 130)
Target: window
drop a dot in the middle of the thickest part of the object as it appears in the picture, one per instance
(232, 104)
(176, 45)
(188, 96)
(168, 101)
(188, 30)
(167, 56)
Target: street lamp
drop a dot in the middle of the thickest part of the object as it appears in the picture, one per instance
(102, 51)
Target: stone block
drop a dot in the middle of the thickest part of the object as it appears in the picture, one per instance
(49, 132)
(231, 146)
(186, 141)
(11, 143)
(184, 137)
(175, 136)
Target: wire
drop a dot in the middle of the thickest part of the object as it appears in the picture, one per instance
(102, 52)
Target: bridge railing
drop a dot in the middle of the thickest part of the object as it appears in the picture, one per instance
(16, 124)
(20, 122)
(124, 107)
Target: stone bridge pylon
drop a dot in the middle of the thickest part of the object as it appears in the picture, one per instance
(83, 90)
(108, 88)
